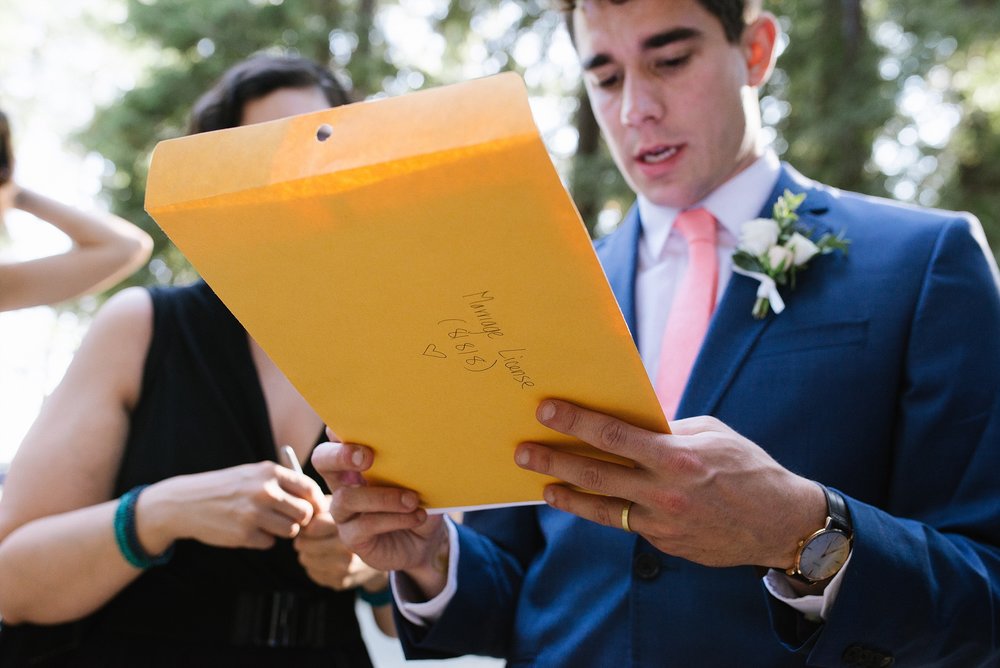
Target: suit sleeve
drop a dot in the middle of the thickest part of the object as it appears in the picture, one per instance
(923, 585)
(495, 548)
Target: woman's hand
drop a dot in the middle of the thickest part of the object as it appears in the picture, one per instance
(329, 562)
(243, 506)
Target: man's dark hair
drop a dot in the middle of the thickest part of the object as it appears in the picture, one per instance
(222, 105)
(734, 15)
(6, 151)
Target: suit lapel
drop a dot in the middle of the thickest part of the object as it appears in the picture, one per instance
(733, 330)
(619, 255)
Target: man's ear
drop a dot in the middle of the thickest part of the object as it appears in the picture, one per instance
(759, 42)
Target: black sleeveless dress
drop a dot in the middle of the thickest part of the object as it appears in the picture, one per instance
(201, 408)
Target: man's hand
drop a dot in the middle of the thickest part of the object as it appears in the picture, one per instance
(703, 493)
(384, 525)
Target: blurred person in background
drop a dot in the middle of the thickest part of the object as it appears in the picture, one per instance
(146, 519)
(105, 248)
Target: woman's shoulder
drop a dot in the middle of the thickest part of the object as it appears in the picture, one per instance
(120, 335)
(129, 308)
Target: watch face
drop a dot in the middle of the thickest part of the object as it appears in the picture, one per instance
(823, 556)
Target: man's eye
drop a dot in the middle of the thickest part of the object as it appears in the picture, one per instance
(672, 63)
(608, 81)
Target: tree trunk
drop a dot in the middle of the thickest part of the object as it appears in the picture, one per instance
(584, 180)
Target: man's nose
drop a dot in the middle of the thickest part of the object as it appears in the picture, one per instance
(641, 101)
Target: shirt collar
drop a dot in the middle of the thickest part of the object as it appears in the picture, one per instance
(738, 200)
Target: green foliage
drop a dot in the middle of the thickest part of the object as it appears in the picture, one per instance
(838, 103)
(897, 99)
(958, 41)
(196, 42)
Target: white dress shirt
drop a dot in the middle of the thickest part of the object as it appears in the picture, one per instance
(661, 265)
(663, 255)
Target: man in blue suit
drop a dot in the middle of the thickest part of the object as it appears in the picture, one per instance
(865, 527)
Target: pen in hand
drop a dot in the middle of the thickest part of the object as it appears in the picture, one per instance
(291, 460)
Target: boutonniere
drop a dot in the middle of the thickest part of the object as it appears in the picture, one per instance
(772, 250)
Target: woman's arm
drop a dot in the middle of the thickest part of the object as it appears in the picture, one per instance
(105, 250)
(58, 556)
(382, 614)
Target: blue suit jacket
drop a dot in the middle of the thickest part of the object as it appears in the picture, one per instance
(880, 379)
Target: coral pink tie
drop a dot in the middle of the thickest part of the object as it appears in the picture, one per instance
(692, 309)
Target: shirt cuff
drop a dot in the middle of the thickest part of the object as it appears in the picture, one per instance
(425, 613)
(815, 607)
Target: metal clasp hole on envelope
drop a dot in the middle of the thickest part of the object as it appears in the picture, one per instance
(324, 132)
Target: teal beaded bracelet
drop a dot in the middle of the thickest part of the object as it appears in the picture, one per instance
(376, 598)
(128, 538)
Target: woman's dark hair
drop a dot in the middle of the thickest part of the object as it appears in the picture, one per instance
(222, 105)
(6, 151)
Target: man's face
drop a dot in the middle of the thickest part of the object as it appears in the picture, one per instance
(673, 98)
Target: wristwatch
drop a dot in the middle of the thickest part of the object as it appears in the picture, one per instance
(821, 556)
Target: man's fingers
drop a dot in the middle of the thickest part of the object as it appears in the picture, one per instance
(360, 533)
(696, 425)
(584, 472)
(606, 510)
(362, 513)
(346, 502)
(602, 431)
(341, 464)
(334, 456)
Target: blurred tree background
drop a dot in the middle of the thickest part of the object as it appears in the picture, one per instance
(897, 99)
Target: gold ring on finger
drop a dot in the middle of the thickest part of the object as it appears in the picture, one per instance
(625, 511)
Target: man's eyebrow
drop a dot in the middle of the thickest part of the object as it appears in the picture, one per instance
(669, 37)
(650, 43)
(595, 61)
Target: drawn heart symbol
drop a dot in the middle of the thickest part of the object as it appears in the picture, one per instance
(432, 351)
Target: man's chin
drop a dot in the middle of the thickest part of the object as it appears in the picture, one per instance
(672, 196)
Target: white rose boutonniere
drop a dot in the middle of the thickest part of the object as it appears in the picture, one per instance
(772, 250)
(759, 235)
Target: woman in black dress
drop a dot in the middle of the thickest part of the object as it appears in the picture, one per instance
(145, 519)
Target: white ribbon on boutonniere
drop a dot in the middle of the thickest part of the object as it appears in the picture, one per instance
(772, 250)
(766, 291)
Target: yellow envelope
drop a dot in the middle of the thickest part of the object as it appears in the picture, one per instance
(417, 270)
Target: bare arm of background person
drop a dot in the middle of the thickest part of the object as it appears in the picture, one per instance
(105, 250)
